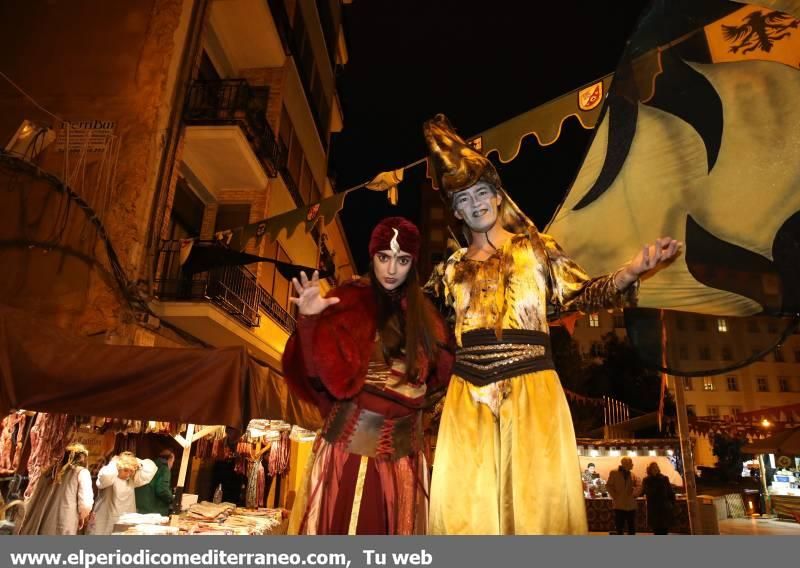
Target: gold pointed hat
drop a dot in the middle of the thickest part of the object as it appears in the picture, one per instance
(454, 164)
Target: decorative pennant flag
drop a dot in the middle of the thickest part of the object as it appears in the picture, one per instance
(568, 321)
(307, 216)
(331, 206)
(545, 121)
(388, 182)
(205, 256)
(581, 399)
(755, 33)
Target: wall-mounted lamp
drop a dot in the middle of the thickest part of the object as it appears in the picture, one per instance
(30, 139)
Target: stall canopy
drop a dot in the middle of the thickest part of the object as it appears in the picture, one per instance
(786, 443)
(45, 369)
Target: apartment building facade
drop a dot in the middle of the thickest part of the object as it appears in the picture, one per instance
(220, 113)
(696, 341)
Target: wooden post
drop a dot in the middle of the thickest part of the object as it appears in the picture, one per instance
(186, 444)
(687, 457)
(767, 501)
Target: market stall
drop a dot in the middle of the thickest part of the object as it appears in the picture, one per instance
(600, 515)
(605, 455)
(58, 378)
(269, 460)
(262, 468)
(779, 459)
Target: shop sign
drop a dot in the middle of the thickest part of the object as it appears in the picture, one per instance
(93, 135)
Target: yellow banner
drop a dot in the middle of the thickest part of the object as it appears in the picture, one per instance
(755, 33)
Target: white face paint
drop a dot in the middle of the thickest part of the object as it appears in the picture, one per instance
(391, 266)
(477, 206)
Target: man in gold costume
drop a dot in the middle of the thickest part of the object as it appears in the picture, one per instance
(506, 460)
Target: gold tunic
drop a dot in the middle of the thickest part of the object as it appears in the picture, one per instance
(506, 460)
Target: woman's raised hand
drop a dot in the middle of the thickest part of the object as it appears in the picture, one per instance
(309, 301)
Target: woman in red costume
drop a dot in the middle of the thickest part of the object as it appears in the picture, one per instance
(371, 355)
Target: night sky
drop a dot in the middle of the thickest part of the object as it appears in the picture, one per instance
(480, 63)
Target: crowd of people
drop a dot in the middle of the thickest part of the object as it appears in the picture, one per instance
(65, 502)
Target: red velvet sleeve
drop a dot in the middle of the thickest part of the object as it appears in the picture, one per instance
(297, 368)
(333, 347)
(342, 344)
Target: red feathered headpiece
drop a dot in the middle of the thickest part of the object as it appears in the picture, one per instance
(405, 231)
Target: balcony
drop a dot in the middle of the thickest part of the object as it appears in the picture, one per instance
(250, 32)
(233, 102)
(233, 288)
(224, 306)
(284, 27)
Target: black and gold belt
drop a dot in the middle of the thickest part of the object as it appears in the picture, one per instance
(368, 433)
(483, 359)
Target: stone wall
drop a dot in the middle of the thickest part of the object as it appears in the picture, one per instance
(109, 61)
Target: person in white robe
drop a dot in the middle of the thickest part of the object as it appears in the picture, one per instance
(117, 481)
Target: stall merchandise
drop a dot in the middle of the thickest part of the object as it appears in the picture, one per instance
(214, 446)
(13, 428)
(279, 455)
(207, 511)
(49, 438)
(142, 519)
(208, 519)
(269, 522)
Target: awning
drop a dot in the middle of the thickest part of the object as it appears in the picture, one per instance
(786, 443)
(46, 369)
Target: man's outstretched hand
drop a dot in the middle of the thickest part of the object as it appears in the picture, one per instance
(663, 250)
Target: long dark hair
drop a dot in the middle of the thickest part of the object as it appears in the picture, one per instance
(409, 329)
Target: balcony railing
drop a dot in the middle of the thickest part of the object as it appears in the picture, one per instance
(233, 288)
(234, 101)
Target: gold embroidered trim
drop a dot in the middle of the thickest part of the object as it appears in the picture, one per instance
(490, 366)
(534, 351)
(354, 512)
(501, 346)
